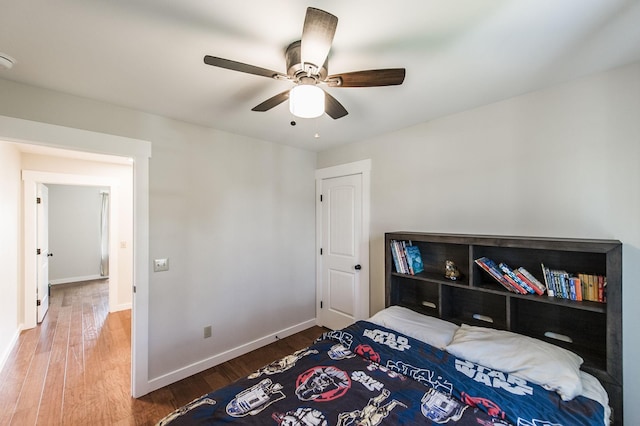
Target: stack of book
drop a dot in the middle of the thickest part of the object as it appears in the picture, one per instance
(564, 285)
(406, 257)
(517, 280)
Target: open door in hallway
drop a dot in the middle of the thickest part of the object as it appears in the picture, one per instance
(42, 218)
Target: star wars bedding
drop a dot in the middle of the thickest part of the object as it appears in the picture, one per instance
(367, 374)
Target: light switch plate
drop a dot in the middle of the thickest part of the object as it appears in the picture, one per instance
(160, 265)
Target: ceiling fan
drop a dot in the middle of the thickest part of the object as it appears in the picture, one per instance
(307, 67)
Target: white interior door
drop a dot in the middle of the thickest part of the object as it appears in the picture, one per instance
(42, 225)
(341, 251)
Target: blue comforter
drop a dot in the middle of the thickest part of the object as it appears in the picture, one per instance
(369, 375)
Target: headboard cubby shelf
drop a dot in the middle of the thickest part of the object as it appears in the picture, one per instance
(591, 329)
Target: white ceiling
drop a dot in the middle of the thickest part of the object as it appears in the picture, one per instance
(148, 55)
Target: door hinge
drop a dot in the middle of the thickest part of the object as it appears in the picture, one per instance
(320, 251)
(321, 304)
(38, 251)
(38, 302)
(38, 200)
(320, 197)
(134, 288)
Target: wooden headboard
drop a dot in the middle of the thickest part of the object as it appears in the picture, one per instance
(592, 329)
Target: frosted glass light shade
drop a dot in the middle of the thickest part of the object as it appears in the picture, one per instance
(306, 101)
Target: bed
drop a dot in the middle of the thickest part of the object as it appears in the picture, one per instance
(402, 367)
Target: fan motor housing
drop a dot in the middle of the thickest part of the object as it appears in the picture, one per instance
(295, 69)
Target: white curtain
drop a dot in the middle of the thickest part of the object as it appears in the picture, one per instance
(104, 235)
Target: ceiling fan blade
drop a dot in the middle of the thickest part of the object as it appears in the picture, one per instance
(333, 108)
(317, 36)
(370, 78)
(242, 67)
(272, 102)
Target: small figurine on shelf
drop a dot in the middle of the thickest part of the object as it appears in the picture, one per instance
(451, 271)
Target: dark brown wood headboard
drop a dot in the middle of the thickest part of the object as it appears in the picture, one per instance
(592, 329)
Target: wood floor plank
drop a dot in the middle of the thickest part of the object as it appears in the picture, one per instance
(14, 373)
(27, 406)
(26, 416)
(73, 409)
(50, 411)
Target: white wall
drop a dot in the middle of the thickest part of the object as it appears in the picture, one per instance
(10, 223)
(234, 215)
(74, 233)
(562, 162)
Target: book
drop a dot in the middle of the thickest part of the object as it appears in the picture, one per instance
(578, 284)
(591, 290)
(600, 288)
(572, 289)
(547, 280)
(491, 268)
(514, 284)
(531, 280)
(407, 264)
(553, 282)
(403, 257)
(394, 255)
(557, 284)
(585, 287)
(521, 285)
(397, 247)
(535, 289)
(562, 278)
(414, 259)
(403, 252)
(583, 282)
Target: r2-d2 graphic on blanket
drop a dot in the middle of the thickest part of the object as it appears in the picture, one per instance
(255, 399)
(440, 408)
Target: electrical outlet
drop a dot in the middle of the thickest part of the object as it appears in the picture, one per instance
(160, 265)
(207, 332)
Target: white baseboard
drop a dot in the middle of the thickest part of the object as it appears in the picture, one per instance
(190, 370)
(77, 279)
(9, 348)
(121, 307)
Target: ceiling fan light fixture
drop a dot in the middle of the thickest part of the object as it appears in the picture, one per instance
(303, 58)
(306, 101)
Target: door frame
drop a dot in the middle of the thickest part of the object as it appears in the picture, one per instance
(139, 151)
(363, 168)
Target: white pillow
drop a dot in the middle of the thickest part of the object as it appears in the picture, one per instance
(547, 365)
(430, 330)
(592, 389)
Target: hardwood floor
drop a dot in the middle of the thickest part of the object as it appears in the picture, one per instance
(74, 368)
